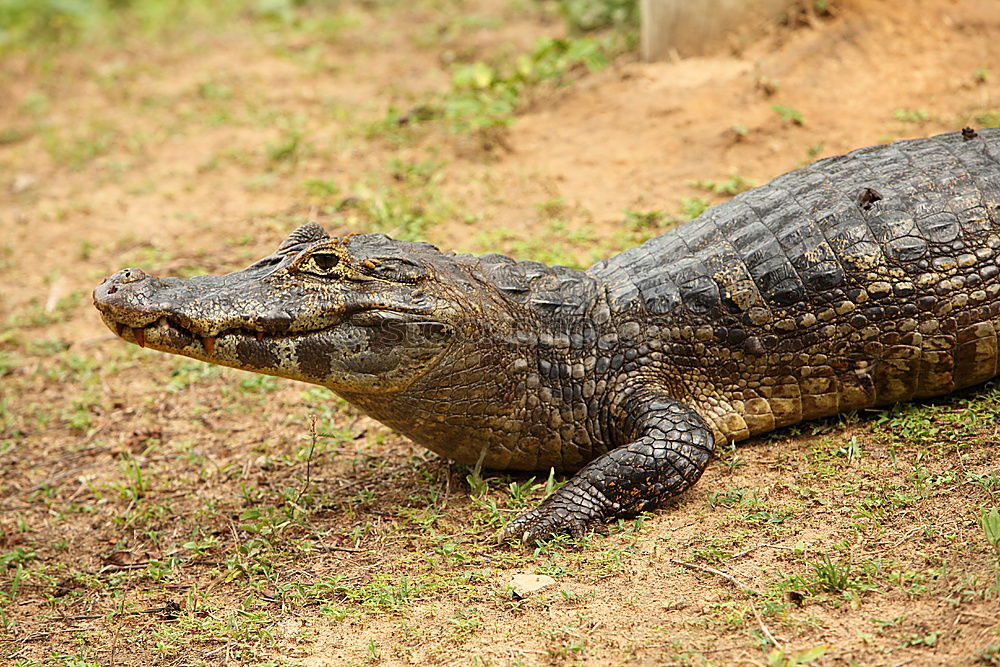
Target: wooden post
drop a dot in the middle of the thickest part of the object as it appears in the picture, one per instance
(697, 27)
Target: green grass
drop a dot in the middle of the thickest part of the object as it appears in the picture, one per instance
(733, 185)
(788, 115)
(486, 96)
(37, 24)
(590, 15)
(988, 118)
(911, 115)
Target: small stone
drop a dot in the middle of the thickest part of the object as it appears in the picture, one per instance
(21, 183)
(523, 585)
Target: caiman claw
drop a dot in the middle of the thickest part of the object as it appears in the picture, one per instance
(568, 510)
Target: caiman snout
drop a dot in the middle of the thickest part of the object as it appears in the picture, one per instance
(129, 295)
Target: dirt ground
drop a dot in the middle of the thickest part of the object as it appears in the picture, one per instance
(155, 510)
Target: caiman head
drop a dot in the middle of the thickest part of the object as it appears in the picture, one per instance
(358, 314)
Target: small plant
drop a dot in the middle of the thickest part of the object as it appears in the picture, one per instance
(551, 483)
(782, 658)
(647, 224)
(911, 115)
(520, 493)
(989, 655)
(589, 15)
(814, 149)
(477, 485)
(485, 97)
(831, 577)
(372, 653)
(990, 521)
(788, 114)
(989, 118)
(320, 188)
(733, 185)
(288, 147)
(692, 207)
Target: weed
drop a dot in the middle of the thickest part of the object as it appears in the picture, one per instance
(49, 20)
(733, 185)
(464, 623)
(88, 142)
(692, 207)
(371, 652)
(321, 189)
(830, 576)
(989, 655)
(520, 493)
(486, 96)
(477, 485)
(929, 639)
(557, 245)
(788, 114)
(288, 147)
(911, 115)
(590, 15)
(783, 658)
(16, 557)
(814, 149)
(404, 209)
(551, 208)
(988, 118)
(648, 223)
(990, 521)
(37, 315)
(914, 422)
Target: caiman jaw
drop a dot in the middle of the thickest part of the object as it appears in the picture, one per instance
(167, 328)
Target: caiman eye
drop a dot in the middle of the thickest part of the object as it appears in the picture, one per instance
(321, 263)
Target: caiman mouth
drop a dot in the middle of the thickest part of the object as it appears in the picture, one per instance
(171, 333)
(169, 328)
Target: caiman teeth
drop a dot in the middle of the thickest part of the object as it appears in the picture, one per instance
(140, 336)
(209, 343)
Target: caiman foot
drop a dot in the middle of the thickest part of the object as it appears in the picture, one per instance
(670, 449)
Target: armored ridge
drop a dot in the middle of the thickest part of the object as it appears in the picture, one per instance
(857, 281)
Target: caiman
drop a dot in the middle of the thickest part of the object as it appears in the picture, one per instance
(857, 281)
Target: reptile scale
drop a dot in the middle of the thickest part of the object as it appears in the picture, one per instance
(860, 280)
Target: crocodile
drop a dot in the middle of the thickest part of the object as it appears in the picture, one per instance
(859, 280)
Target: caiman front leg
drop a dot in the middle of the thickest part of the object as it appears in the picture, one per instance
(668, 447)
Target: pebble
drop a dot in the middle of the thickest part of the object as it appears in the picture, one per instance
(523, 585)
(21, 183)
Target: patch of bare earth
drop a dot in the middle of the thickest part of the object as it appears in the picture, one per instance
(155, 510)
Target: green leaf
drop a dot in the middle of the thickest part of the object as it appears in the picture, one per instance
(991, 526)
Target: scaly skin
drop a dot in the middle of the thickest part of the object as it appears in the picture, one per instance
(858, 281)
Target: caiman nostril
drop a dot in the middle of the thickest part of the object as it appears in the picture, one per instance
(129, 276)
